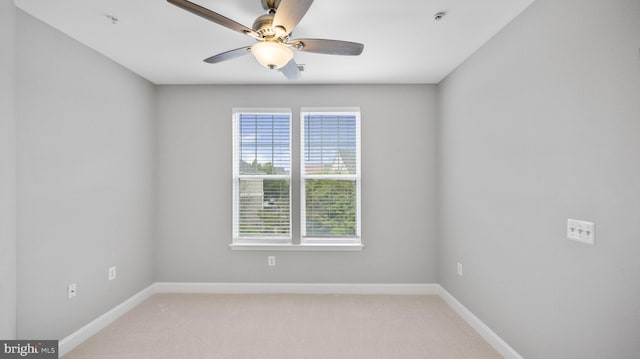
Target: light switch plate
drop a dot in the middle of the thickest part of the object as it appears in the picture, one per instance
(581, 231)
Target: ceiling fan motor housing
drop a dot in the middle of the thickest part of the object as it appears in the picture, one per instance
(264, 26)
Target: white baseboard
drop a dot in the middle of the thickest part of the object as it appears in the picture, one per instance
(76, 338)
(485, 332)
(298, 288)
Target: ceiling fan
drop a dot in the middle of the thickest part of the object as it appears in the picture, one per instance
(272, 32)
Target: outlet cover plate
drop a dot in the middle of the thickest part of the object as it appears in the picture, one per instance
(71, 290)
(112, 273)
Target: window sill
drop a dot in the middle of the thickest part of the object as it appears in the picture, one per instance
(296, 247)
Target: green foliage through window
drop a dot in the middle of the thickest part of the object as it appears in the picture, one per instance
(330, 207)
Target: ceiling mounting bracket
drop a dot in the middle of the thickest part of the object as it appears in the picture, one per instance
(270, 5)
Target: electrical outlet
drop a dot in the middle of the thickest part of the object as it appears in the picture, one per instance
(581, 231)
(271, 261)
(71, 290)
(459, 269)
(112, 273)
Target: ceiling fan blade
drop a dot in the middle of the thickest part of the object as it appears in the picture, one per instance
(289, 14)
(291, 71)
(329, 47)
(213, 16)
(228, 55)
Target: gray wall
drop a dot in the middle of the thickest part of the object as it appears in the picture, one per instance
(540, 125)
(7, 173)
(85, 170)
(194, 185)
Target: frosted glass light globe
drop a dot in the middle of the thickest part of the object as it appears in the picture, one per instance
(271, 54)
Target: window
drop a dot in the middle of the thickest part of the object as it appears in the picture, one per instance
(330, 171)
(262, 176)
(328, 192)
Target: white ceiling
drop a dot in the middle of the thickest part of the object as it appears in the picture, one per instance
(166, 45)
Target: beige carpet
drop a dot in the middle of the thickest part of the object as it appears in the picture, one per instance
(220, 326)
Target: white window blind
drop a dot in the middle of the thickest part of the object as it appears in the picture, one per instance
(262, 176)
(330, 185)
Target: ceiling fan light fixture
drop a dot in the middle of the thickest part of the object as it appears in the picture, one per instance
(272, 55)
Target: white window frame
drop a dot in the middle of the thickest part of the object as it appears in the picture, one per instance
(257, 240)
(357, 177)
